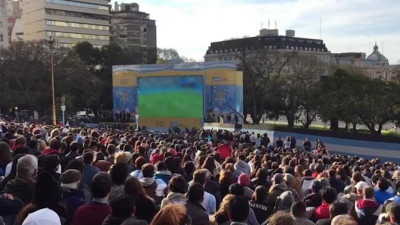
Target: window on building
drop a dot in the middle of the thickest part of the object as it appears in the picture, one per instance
(78, 4)
(77, 36)
(76, 25)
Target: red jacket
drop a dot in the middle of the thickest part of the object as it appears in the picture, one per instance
(92, 213)
(50, 151)
(322, 212)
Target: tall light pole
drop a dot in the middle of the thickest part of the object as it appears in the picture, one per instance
(51, 46)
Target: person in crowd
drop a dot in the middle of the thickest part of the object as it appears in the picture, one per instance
(241, 166)
(89, 171)
(45, 207)
(221, 217)
(162, 172)
(24, 183)
(307, 145)
(382, 194)
(122, 208)
(119, 173)
(281, 218)
(335, 209)
(343, 220)
(209, 202)
(172, 214)
(72, 197)
(238, 210)
(298, 211)
(328, 195)
(139, 162)
(177, 188)
(259, 204)
(366, 211)
(336, 183)
(277, 188)
(195, 210)
(394, 214)
(153, 187)
(98, 209)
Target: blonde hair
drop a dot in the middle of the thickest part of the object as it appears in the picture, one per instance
(343, 220)
(122, 157)
(172, 214)
(54, 133)
(223, 208)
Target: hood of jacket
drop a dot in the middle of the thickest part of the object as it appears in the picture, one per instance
(147, 181)
(177, 198)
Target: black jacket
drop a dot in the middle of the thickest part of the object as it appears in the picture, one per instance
(197, 213)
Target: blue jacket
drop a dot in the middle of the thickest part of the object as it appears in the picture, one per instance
(72, 200)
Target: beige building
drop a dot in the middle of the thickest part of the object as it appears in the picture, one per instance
(4, 40)
(67, 21)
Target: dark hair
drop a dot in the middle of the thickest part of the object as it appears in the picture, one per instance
(383, 184)
(74, 146)
(148, 170)
(133, 187)
(47, 193)
(88, 157)
(298, 209)
(119, 172)
(101, 185)
(394, 212)
(161, 166)
(189, 168)
(55, 144)
(328, 194)
(239, 209)
(337, 208)
(122, 206)
(33, 144)
(178, 184)
(75, 164)
(200, 176)
(145, 209)
(139, 162)
(236, 189)
(195, 193)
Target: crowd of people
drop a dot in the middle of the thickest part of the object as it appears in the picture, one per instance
(57, 175)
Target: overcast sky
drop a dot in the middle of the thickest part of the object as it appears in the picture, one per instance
(190, 26)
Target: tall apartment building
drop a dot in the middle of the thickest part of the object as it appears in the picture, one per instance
(131, 28)
(4, 39)
(67, 21)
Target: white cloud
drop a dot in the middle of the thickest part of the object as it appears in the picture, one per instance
(347, 25)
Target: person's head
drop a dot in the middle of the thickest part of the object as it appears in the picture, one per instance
(172, 214)
(88, 157)
(47, 192)
(189, 168)
(285, 200)
(394, 214)
(277, 179)
(383, 184)
(337, 208)
(21, 141)
(226, 177)
(122, 206)
(74, 146)
(343, 220)
(70, 178)
(260, 194)
(328, 194)
(360, 187)
(134, 221)
(224, 206)
(52, 163)
(133, 187)
(239, 209)
(119, 172)
(177, 185)
(55, 144)
(139, 162)
(298, 209)
(316, 186)
(148, 170)
(101, 185)
(27, 166)
(200, 176)
(75, 164)
(281, 218)
(369, 192)
(145, 209)
(244, 180)
(195, 193)
(236, 189)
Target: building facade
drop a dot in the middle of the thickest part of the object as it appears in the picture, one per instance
(375, 65)
(67, 21)
(268, 40)
(4, 39)
(131, 28)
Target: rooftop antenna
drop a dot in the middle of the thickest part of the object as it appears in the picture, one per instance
(320, 27)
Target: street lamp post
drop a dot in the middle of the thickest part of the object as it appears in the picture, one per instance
(51, 46)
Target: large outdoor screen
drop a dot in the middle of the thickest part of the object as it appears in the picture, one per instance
(171, 97)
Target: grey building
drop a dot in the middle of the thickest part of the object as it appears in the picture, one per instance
(68, 21)
(131, 28)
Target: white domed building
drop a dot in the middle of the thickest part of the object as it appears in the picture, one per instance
(377, 66)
